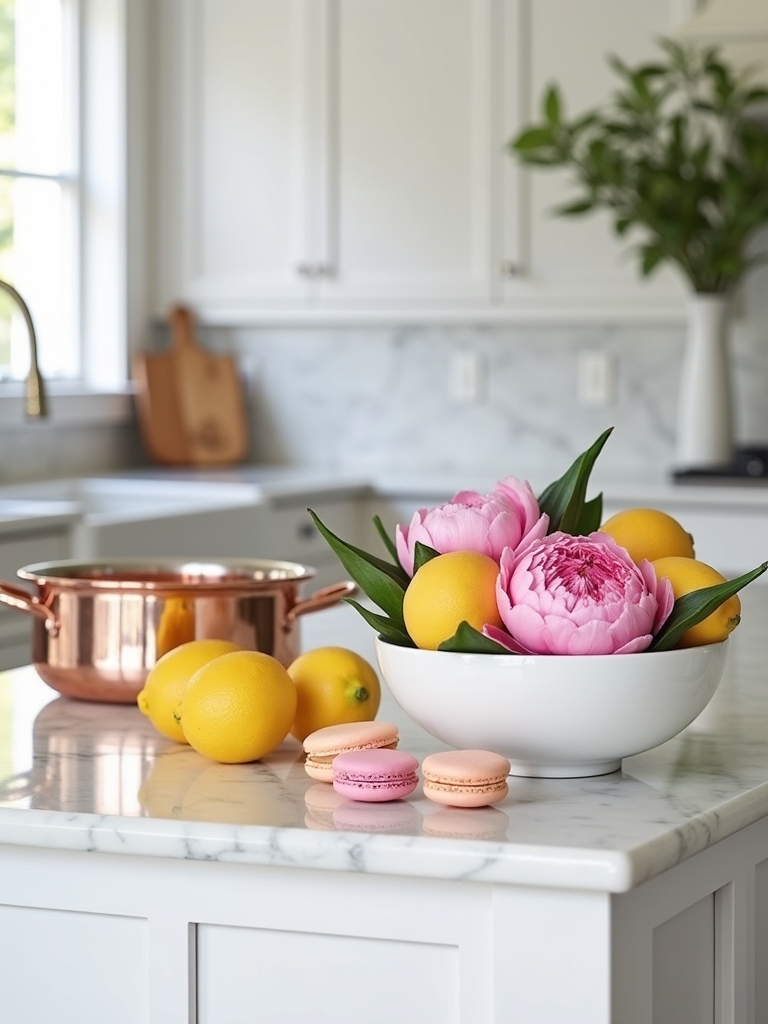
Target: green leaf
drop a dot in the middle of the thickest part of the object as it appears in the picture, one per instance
(467, 640)
(533, 138)
(591, 516)
(552, 106)
(389, 544)
(563, 500)
(422, 553)
(386, 628)
(652, 255)
(384, 583)
(693, 608)
(576, 208)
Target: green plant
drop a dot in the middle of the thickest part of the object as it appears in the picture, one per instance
(675, 153)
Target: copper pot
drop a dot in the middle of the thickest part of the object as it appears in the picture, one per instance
(100, 626)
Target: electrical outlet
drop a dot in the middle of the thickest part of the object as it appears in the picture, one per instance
(597, 379)
(467, 377)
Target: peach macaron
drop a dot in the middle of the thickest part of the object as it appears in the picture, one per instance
(323, 745)
(465, 778)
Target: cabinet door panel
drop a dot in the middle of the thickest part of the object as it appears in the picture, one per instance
(251, 974)
(573, 262)
(411, 217)
(66, 966)
(231, 148)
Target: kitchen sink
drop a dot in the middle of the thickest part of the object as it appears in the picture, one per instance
(101, 499)
(22, 509)
(120, 518)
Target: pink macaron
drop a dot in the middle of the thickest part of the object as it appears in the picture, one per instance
(465, 778)
(375, 775)
(323, 745)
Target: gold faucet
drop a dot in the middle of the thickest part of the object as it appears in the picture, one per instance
(35, 403)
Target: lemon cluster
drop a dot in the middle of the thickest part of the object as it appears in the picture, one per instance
(235, 706)
(652, 534)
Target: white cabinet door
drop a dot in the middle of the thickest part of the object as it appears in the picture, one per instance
(323, 154)
(323, 159)
(410, 152)
(560, 264)
(234, 171)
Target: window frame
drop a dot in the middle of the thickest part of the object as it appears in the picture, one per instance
(113, 90)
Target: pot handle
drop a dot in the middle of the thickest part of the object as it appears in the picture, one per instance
(18, 787)
(320, 599)
(18, 598)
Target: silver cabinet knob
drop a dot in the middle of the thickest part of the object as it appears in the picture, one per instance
(315, 270)
(508, 269)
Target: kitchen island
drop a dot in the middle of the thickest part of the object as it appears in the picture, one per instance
(140, 882)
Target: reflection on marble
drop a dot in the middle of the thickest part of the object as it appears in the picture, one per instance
(98, 777)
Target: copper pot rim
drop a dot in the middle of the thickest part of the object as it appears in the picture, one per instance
(166, 575)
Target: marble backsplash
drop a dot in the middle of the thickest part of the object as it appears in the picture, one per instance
(378, 400)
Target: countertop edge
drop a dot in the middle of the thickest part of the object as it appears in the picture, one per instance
(480, 861)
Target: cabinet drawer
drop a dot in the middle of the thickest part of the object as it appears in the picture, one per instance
(733, 541)
(287, 531)
(17, 550)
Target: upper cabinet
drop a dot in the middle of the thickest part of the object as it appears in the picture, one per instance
(559, 264)
(327, 159)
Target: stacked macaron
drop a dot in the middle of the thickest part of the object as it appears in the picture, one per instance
(324, 745)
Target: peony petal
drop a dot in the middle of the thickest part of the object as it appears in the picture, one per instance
(527, 627)
(459, 529)
(471, 498)
(640, 643)
(500, 636)
(665, 596)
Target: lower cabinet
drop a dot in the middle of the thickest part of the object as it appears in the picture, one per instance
(279, 529)
(90, 937)
(25, 546)
(731, 537)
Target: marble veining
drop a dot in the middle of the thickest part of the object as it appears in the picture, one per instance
(99, 778)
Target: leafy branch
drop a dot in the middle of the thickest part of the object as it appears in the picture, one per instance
(673, 153)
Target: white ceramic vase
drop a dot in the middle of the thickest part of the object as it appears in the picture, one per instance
(704, 415)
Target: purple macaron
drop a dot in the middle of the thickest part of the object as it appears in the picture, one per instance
(375, 775)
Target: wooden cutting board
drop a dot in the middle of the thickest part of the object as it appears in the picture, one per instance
(157, 408)
(190, 401)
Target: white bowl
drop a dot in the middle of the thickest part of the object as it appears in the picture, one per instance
(554, 716)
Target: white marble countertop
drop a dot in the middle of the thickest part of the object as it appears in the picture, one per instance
(98, 777)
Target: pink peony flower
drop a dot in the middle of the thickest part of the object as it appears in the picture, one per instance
(506, 518)
(579, 595)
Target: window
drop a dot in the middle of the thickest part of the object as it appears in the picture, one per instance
(40, 208)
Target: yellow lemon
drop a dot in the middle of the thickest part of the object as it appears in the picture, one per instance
(238, 707)
(447, 590)
(649, 533)
(176, 625)
(168, 678)
(333, 686)
(688, 574)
